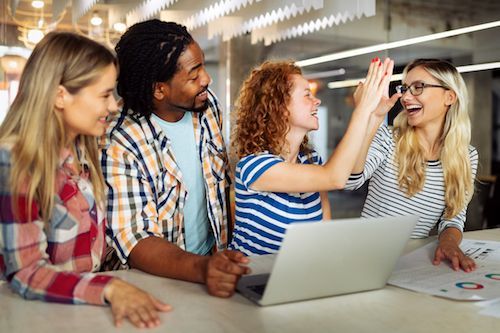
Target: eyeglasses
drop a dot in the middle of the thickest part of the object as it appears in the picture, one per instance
(416, 88)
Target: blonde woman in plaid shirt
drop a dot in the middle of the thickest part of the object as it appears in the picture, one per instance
(52, 228)
(165, 163)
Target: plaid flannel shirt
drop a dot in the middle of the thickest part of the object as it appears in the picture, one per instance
(146, 192)
(52, 261)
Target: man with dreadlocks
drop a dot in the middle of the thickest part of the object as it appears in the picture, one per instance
(165, 162)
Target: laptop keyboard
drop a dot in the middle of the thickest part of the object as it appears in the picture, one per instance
(259, 289)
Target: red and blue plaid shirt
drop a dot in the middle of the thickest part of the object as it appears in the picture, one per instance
(53, 261)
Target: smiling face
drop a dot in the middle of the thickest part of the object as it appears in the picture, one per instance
(303, 106)
(85, 112)
(431, 106)
(187, 90)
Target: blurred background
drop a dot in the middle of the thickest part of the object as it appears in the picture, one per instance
(332, 40)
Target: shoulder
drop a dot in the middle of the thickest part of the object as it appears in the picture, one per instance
(213, 103)
(258, 159)
(385, 132)
(473, 154)
(474, 158)
(128, 131)
(5, 153)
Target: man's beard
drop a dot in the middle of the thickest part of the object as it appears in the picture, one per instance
(192, 108)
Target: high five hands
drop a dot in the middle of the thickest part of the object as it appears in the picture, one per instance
(379, 77)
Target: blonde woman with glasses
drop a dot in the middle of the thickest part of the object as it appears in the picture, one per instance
(51, 187)
(425, 164)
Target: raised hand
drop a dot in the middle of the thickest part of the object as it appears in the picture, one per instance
(223, 272)
(134, 304)
(385, 102)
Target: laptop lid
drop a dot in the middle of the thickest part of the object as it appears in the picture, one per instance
(332, 258)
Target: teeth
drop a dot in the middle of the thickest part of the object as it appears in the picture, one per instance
(412, 107)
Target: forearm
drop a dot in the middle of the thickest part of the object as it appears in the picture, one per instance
(373, 126)
(342, 161)
(158, 256)
(452, 235)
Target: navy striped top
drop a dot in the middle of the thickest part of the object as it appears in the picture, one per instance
(263, 217)
(386, 199)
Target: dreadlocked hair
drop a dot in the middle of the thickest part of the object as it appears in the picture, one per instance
(148, 53)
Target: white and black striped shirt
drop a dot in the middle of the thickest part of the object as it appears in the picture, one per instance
(385, 197)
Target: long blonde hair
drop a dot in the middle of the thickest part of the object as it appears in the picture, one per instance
(33, 128)
(455, 140)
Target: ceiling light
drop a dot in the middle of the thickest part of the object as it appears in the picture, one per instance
(322, 75)
(37, 4)
(120, 27)
(392, 45)
(35, 35)
(96, 20)
(398, 77)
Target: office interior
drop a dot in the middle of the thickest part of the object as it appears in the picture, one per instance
(332, 40)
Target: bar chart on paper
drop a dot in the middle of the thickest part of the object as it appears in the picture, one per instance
(415, 271)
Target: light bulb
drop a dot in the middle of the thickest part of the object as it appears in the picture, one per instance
(35, 35)
(120, 27)
(37, 4)
(96, 20)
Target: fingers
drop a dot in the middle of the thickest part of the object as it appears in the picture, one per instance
(386, 76)
(159, 305)
(455, 263)
(229, 263)
(438, 256)
(236, 257)
(140, 308)
(118, 318)
(456, 258)
(467, 264)
(223, 271)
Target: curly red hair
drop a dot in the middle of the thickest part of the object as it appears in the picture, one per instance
(262, 116)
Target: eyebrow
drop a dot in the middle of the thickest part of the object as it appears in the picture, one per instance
(416, 81)
(110, 90)
(198, 65)
(195, 68)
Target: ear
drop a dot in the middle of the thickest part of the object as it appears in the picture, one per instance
(160, 91)
(62, 96)
(450, 97)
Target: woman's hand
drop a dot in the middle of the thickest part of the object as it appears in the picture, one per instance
(130, 302)
(386, 103)
(448, 249)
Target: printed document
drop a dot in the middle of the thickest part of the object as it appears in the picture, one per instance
(415, 271)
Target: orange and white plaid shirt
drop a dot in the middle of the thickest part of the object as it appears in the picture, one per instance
(146, 192)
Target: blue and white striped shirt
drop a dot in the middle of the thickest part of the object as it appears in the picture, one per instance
(263, 217)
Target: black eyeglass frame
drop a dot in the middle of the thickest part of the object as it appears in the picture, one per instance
(416, 88)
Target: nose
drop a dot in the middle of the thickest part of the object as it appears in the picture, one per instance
(317, 101)
(205, 78)
(113, 104)
(406, 96)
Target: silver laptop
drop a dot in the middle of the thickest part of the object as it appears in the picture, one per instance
(330, 258)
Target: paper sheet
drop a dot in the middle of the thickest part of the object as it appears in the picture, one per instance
(415, 271)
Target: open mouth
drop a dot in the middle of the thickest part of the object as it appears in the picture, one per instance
(203, 94)
(412, 109)
(314, 113)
